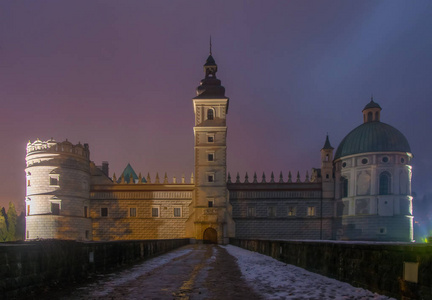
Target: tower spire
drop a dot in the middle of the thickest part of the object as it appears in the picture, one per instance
(210, 46)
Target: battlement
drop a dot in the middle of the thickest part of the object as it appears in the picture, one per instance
(315, 178)
(51, 145)
(125, 179)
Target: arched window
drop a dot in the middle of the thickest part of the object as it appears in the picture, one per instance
(370, 116)
(344, 187)
(384, 183)
(210, 114)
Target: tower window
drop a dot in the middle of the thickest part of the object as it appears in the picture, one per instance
(28, 182)
(155, 212)
(210, 177)
(132, 212)
(344, 187)
(210, 139)
(291, 211)
(53, 181)
(384, 183)
(28, 210)
(210, 156)
(55, 208)
(370, 116)
(251, 211)
(271, 211)
(210, 203)
(177, 212)
(104, 212)
(210, 114)
(311, 211)
(85, 211)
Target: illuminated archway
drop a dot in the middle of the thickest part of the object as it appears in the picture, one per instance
(210, 236)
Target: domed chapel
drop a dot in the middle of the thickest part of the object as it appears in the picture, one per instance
(360, 192)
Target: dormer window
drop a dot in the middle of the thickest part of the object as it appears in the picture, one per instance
(210, 114)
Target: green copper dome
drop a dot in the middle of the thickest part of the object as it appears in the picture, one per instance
(373, 137)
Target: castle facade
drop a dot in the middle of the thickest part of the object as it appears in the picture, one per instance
(360, 192)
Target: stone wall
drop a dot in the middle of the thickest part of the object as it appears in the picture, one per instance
(119, 225)
(31, 266)
(378, 267)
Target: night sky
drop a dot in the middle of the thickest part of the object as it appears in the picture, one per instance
(121, 75)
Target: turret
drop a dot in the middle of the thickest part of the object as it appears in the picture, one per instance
(58, 184)
(327, 169)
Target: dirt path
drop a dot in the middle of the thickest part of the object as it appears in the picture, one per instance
(200, 272)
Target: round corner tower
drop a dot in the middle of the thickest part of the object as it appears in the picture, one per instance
(58, 185)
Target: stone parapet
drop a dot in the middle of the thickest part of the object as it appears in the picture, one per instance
(399, 270)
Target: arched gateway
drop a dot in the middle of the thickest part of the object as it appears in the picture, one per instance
(210, 236)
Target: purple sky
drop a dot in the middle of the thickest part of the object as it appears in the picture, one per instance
(121, 75)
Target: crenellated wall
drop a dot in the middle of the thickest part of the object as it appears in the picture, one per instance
(279, 209)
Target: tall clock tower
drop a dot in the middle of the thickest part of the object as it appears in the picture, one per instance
(212, 218)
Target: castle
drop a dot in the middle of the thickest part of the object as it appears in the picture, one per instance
(360, 192)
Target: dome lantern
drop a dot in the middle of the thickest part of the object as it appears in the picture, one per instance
(371, 112)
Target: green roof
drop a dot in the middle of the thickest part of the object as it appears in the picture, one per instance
(373, 137)
(128, 171)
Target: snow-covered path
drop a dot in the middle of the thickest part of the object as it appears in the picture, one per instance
(214, 272)
(276, 280)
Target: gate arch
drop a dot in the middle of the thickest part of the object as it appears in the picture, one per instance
(210, 236)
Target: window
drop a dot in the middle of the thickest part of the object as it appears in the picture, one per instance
(28, 210)
(344, 164)
(364, 161)
(385, 159)
(177, 212)
(53, 181)
(28, 234)
(344, 187)
(210, 114)
(311, 211)
(55, 208)
(210, 157)
(87, 234)
(85, 212)
(155, 212)
(251, 211)
(28, 182)
(210, 203)
(210, 139)
(132, 212)
(210, 178)
(384, 183)
(291, 211)
(271, 211)
(104, 212)
(369, 116)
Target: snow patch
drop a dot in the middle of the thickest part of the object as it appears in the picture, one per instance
(274, 279)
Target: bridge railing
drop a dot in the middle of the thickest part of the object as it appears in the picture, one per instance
(29, 266)
(399, 270)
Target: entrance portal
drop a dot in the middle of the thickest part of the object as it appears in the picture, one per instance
(210, 236)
